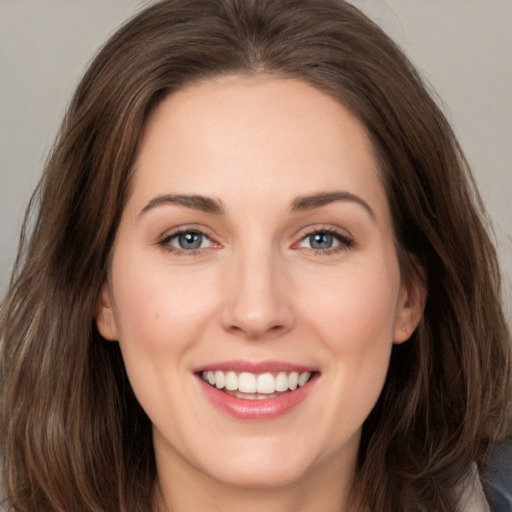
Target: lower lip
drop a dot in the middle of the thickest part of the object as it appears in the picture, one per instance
(264, 409)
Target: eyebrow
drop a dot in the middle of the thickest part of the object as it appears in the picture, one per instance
(209, 205)
(304, 203)
(195, 202)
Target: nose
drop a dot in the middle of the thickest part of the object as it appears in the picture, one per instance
(258, 301)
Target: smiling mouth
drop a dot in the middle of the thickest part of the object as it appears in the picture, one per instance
(256, 386)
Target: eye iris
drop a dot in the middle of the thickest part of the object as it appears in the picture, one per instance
(190, 240)
(321, 241)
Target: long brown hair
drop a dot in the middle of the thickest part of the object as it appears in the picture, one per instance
(73, 436)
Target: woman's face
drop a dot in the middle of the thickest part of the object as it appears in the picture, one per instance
(256, 249)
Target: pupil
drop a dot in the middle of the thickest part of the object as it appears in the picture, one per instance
(321, 241)
(190, 240)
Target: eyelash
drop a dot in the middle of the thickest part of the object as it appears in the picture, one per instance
(165, 242)
(344, 242)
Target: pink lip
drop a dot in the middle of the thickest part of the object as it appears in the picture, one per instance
(255, 367)
(265, 409)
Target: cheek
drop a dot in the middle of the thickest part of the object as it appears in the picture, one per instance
(159, 315)
(357, 335)
(353, 315)
(355, 309)
(158, 309)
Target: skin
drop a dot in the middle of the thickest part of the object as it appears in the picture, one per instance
(256, 290)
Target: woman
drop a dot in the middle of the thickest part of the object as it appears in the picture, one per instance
(259, 278)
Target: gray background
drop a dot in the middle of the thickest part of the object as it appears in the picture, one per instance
(462, 47)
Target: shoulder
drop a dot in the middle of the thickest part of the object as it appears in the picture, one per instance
(498, 482)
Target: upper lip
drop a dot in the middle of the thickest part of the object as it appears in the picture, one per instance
(255, 367)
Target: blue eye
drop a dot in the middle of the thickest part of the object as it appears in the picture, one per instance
(190, 241)
(325, 240)
(321, 241)
(186, 241)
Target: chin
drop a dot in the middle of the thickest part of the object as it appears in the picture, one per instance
(270, 474)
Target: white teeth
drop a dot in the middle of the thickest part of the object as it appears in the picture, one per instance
(303, 378)
(265, 383)
(282, 382)
(293, 380)
(219, 380)
(259, 386)
(231, 381)
(247, 382)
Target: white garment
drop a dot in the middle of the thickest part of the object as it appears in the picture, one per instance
(473, 497)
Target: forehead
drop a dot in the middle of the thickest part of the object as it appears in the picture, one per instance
(254, 135)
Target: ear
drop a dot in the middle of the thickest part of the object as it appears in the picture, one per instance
(411, 303)
(105, 319)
